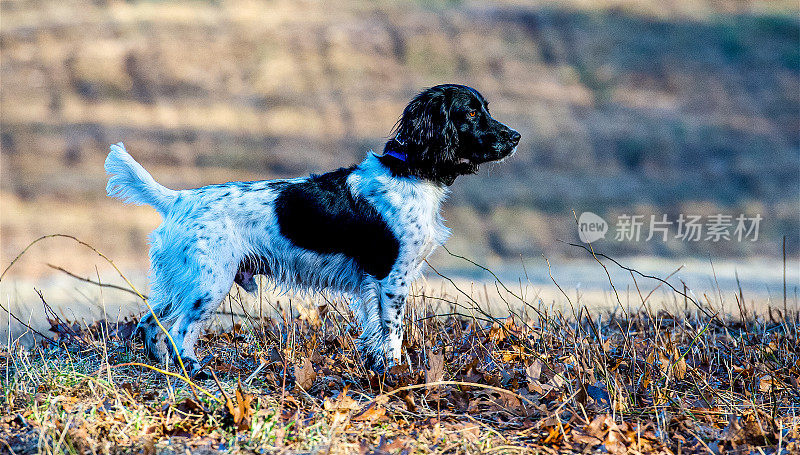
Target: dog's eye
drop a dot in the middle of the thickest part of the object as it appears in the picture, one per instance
(473, 113)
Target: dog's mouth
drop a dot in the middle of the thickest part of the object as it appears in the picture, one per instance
(474, 162)
(509, 155)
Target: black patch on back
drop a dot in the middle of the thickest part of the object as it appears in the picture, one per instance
(321, 214)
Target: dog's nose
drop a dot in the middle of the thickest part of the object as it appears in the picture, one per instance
(510, 135)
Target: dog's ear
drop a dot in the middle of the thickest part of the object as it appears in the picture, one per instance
(426, 130)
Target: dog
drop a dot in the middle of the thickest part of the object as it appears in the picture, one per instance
(362, 231)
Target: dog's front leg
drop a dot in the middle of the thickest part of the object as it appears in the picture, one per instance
(380, 311)
(393, 305)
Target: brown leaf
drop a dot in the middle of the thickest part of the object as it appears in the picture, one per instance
(340, 408)
(614, 443)
(373, 412)
(436, 372)
(733, 432)
(240, 410)
(536, 387)
(555, 433)
(68, 403)
(511, 402)
(343, 404)
(128, 388)
(408, 399)
(759, 428)
(767, 383)
(190, 406)
(497, 333)
(534, 371)
(305, 374)
(581, 438)
(599, 426)
(468, 430)
(678, 365)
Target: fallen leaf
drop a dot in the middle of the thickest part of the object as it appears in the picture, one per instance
(343, 404)
(599, 426)
(190, 406)
(733, 432)
(614, 442)
(678, 365)
(534, 371)
(497, 333)
(436, 372)
(536, 387)
(767, 383)
(373, 412)
(408, 399)
(305, 374)
(128, 388)
(511, 402)
(240, 410)
(340, 408)
(582, 438)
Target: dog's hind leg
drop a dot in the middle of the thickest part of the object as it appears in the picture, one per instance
(194, 313)
(366, 308)
(190, 284)
(153, 337)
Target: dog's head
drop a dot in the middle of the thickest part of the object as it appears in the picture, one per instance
(447, 131)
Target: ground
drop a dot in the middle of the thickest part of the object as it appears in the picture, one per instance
(538, 381)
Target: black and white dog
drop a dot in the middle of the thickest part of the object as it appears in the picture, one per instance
(363, 231)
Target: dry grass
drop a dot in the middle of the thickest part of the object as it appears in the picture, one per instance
(538, 380)
(207, 92)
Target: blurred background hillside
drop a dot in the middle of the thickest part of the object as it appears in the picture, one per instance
(625, 107)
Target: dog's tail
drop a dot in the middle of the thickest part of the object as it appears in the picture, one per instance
(129, 182)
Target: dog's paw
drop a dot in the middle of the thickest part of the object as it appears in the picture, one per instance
(200, 376)
(377, 362)
(196, 369)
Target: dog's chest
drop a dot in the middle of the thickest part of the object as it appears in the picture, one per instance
(422, 228)
(412, 210)
(409, 206)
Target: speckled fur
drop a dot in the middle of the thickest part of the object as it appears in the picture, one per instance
(207, 233)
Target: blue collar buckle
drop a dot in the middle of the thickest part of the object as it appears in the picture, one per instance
(399, 155)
